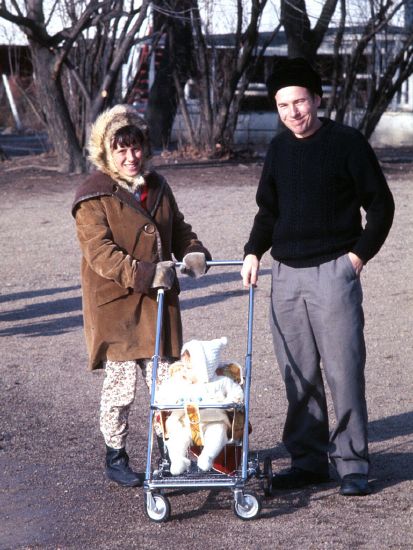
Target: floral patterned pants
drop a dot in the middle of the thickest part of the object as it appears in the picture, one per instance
(118, 394)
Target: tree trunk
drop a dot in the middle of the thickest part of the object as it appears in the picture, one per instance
(302, 40)
(162, 103)
(53, 104)
(297, 29)
(176, 62)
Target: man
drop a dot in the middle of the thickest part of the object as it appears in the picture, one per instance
(316, 177)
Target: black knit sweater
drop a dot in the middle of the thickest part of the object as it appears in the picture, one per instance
(310, 194)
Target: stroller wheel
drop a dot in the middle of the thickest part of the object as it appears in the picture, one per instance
(157, 507)
(248, 506)
(267, 484)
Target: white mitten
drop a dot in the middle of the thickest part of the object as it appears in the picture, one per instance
(194, 264)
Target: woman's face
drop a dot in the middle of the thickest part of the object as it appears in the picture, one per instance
(128, 160)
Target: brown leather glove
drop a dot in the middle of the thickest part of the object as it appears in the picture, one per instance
(194, 264)
(164, 275)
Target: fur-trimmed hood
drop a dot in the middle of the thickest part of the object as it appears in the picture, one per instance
(101, 134)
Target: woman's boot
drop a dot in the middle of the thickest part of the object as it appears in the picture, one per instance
(118, 470)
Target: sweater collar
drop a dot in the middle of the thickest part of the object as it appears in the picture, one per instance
(325, 123)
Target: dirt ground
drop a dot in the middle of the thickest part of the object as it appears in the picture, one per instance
(53, 492)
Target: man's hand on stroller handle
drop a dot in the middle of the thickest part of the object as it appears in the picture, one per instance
(250, 269)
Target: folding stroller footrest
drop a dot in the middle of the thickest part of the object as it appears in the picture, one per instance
(197, 479)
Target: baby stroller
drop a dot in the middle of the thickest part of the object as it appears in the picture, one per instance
(233, 467)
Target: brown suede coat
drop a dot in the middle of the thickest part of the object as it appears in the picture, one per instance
(121, 243)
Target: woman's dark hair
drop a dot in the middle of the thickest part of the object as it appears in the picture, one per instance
(128, 136)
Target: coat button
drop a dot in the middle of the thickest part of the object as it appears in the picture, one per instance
(149, 228)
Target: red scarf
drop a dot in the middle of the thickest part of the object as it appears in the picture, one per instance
(144, 195)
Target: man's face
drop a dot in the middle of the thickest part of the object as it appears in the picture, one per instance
(297, 108)
(128, 160)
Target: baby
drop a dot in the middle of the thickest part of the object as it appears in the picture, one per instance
(193, 380)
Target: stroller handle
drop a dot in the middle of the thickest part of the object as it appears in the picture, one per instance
(212, 263)
(224, 262)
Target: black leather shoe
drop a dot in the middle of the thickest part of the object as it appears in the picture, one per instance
(295, 478)
(355, 485)
(118, 469)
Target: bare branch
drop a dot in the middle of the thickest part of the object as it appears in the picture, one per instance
(204, 74)
(117, 61)
(79, 82)
(336, 50)
(16, 7)
(323, 22)
(84, 21)
(51, 13)
(32, 29)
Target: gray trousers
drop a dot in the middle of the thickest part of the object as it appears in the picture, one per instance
(316, 316)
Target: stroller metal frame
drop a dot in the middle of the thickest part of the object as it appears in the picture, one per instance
(246, 505)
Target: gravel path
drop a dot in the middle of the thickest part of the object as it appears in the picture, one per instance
(53, 493)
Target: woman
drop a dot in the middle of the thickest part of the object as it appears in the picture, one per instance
(128, 226)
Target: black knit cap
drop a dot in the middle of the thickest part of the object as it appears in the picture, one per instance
(293, 72)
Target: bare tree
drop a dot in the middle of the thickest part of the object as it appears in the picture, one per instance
(376, 48)
(220, 76)
(58, 64)
(381, 52)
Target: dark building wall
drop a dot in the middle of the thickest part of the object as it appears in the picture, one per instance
(15, 60)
